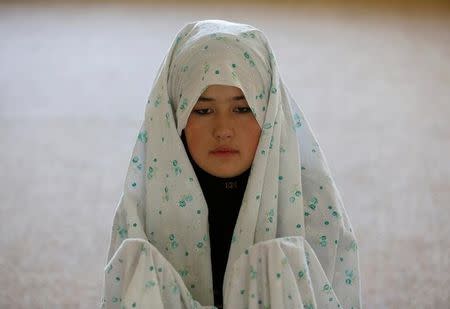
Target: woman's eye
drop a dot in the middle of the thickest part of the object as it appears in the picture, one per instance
(202, 111)
(243, 109)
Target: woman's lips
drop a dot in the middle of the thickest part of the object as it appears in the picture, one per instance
(224, 151)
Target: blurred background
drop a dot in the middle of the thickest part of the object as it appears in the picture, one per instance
(373, 78)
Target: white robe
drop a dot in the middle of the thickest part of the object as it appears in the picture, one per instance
(292, 246)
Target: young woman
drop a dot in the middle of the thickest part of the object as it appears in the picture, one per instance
(228, 200)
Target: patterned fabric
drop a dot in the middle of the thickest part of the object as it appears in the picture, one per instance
(292, 235)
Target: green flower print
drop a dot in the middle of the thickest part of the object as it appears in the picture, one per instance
(248, 35)
(353, 246)
(123, 232)
(176, 168)
(143, 136)
(349, 276)
(261, 95)
(136, 162)
(296, 194)
(333, 212)
(157, 101)
(115, 300)
(201, 244)
(301, 274)
(249, 58)
(313, 203)
(326, 288)
(144, 250)
(173, 287)
(217, 36)
(183, 273)
(270, 215)
(267, 125)
(183, 104)
(297, 122)
(323, 241)
(173, 241)
(151, 172)
(184, 200)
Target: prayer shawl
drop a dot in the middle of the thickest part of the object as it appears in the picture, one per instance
(293, 245)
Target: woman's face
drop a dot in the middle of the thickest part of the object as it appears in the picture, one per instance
(221, 132)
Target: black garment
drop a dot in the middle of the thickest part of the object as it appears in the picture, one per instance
(223, 197)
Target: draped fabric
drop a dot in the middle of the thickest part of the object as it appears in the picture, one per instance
(292, 244)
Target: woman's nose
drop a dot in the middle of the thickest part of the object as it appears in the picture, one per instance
(223, 129)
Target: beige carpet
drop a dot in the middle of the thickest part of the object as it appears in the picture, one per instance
(374, 83)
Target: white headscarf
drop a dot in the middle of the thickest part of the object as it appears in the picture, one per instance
(289, 193)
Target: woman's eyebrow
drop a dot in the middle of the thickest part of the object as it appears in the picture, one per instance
(206, 99)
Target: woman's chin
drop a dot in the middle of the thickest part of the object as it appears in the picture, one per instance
(225, 173)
